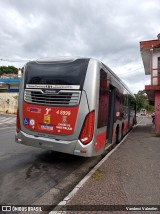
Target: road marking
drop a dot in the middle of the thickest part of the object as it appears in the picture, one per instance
(140, 121)
(4, 156)
(7, 120)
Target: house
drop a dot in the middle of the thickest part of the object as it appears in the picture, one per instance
(150, 52)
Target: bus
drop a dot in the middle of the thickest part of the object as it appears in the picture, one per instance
(73, 105)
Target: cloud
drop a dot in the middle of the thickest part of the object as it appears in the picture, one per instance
(107, 30)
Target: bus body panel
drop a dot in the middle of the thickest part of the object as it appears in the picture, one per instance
(91, 84)
(50, 120)
(78, 122)
(46, 143)
(79, 112)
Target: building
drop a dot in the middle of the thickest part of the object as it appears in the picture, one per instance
(150, 52)
(9, 84)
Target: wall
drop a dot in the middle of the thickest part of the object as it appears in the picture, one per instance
(8, 103)
(157, 112)
(156, 54)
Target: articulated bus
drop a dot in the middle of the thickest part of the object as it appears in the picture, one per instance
(73, 105)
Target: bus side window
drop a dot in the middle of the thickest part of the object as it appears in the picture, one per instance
(118, 105)
(132, 105)
(125, 105)
(103, 100)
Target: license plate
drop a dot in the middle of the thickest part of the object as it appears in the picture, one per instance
(46, 127)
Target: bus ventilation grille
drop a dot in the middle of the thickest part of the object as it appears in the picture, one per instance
(62, 98)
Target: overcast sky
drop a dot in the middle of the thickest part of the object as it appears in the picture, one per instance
(104, 29)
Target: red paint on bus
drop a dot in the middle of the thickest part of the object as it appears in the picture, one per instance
(100, 141)
(52, 120)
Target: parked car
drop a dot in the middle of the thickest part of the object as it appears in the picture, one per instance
(143, 112)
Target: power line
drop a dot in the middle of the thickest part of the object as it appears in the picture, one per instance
(136, 70)
(14, 60)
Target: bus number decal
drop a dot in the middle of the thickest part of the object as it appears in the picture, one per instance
(64, 113)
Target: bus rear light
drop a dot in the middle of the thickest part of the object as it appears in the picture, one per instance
(86, 134)
(18, 125)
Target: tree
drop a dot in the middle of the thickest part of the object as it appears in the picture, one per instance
(8, 70)
(143, 102)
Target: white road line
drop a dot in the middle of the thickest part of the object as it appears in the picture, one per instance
(140, 121)
(7, 120)
(8, 123)
(4, 156)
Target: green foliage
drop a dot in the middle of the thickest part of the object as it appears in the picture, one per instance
(143, 102)
(8, 70)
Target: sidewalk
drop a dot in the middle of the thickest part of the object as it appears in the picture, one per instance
(130, 176)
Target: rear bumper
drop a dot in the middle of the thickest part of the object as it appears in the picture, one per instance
(71, 147)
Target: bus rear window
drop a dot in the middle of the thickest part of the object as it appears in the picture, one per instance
(66, 73)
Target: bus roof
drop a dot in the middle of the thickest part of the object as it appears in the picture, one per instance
(116, 77)
(59, 59)
(64, 59)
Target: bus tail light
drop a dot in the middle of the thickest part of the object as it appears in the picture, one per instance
(86, 134)
(18, 125)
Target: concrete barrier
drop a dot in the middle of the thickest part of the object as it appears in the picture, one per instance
(8, 103)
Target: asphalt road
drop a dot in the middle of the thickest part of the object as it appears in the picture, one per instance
(34, 176)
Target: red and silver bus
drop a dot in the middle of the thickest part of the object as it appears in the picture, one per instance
(73, 105)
